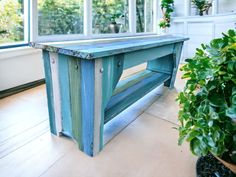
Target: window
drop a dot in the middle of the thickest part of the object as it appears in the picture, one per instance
(60, 17)
(110, 16)
(226, 6)
(144, 16)
(12, 22)
(56, 20)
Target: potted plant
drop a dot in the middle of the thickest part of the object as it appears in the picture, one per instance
(167, 7)
(202, 6)
(208, 102)
(114, 26)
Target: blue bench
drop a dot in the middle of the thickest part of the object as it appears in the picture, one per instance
(83, 87)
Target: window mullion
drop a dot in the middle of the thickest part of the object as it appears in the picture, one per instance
(132, 16)
(33, 20)
(156, 15)
(88, 17)
(26, 21)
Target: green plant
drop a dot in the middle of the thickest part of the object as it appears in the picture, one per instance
(167, 7)
(60, 17)
(208, 102)
(202, 5)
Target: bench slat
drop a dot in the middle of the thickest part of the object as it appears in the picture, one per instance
(131, 94)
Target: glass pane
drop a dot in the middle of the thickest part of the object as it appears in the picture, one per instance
(179, 8)
(227, 6)
(144, 16)
(60, 17)
(11, 21)
(110, 16)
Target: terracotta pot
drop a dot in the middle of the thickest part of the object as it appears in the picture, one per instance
(230, 166)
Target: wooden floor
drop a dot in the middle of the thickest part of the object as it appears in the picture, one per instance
(147, 147)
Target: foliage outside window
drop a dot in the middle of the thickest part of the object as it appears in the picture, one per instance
(63, 17)
(11, 21)
(144, 16)
(110, 16)
(60, 17)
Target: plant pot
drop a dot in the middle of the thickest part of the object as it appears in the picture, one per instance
(164, 31)
(209, 166)
(115, 28)
(230, 166)
(201, 13)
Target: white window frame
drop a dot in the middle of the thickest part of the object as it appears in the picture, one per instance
(87, 34)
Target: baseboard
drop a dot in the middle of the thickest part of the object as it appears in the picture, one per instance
(20, 88)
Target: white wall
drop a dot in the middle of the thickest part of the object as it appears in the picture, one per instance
(201, 30)
(20, 66)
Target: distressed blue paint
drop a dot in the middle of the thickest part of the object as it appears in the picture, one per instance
(139, 79)
(138, 57)
(163, 64)
(92, 50)
(87, 96)
(48, 79)
(112, 71)
(124, 99)
(126, 83)
(63, 69)
(176, 59)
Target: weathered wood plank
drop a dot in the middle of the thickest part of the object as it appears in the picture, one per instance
(163, 64)
(128, 82)
(87, 96)
(122, 100)
(98, 109)
(176, 59)
(112, 68)
(63, 72)
(75, 99)
(48, 79)
(56, 91)
(99, 49)
(138, 57)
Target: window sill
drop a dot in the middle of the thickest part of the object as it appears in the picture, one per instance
(16, 52)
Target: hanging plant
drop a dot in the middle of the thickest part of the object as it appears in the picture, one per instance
(167, 7)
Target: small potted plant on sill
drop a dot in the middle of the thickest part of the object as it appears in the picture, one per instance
(202, 6)
(208, 102)
(114, 26)
(167, 7)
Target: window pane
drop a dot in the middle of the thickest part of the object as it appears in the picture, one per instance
(227, 6)
(110, 16)
(60, 17)
(144, 16)
(11, 21)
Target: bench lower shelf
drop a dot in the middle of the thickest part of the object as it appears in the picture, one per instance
(132, 89)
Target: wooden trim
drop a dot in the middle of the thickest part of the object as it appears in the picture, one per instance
(20, 88)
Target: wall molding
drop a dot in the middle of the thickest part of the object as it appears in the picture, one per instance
(20, 88)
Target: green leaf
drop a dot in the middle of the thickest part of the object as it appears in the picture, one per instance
(231, 112)
(216, 98)
(193, 134)
(231, 33)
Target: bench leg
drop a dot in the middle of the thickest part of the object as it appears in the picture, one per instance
(99, 79)
(78, 92)
(167, 64)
